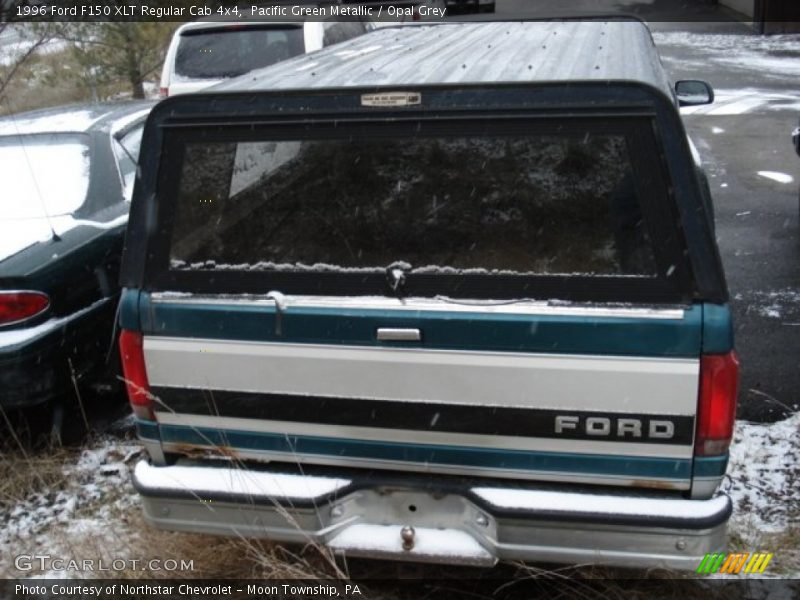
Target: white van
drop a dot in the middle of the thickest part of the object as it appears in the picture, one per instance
(203, 53)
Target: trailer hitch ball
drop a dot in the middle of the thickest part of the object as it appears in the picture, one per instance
(407, 534)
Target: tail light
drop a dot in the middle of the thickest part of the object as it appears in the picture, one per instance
(163, 92)
(716, 414)
(131, 347)
(19, 306)
(415, 16)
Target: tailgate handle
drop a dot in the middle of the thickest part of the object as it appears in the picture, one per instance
(388, 334)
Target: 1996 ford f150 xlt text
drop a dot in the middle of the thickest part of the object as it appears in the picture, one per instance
(439, 293)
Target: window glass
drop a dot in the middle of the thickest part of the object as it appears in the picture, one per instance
(341, 31)
(126, 150)
(229, 52)
(533, 204)
(43, 175)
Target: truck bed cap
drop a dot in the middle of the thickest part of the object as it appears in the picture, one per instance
(473, 53)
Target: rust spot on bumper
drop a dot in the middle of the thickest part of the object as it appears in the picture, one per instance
(200, 452)
(653, 485)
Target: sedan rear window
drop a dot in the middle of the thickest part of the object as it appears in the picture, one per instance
(126, 150)
(539, 204)
(233, 51)
(43, 175)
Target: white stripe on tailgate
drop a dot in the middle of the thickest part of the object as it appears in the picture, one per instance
(408, 436)
(607, 384)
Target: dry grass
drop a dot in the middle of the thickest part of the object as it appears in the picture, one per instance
(24, 468)
(785, 545)
(222, 557)
(24, 474)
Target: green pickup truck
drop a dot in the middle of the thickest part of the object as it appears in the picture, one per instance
(444, 293)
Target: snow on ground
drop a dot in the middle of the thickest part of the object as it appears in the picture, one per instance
(773, 55)
(776, 176)
(746, 100)
(764, 477)
(783, 305)
(81, 513)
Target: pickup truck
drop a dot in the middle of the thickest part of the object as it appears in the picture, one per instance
(444, 293)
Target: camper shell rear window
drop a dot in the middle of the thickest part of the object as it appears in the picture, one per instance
(575, 209)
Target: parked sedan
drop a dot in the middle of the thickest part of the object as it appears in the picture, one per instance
(66, 175)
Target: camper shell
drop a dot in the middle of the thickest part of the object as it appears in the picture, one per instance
(393, 372)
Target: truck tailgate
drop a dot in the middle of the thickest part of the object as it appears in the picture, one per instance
(526, 390)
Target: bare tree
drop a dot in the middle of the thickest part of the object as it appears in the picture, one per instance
(117, 51)
(22, 41)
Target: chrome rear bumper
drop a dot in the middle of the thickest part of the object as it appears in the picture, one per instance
(448, 523)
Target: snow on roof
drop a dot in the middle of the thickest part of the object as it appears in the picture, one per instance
(488, 52)
(123, 122)
(68, 119)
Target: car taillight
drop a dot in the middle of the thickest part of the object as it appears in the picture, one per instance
(131, 347)
(415, 16)
(18, 306)
(163, 92)
(716, 411)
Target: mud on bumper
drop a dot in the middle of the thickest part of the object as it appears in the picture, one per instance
(448, 523)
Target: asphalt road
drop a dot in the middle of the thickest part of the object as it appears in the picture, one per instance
(745, 132)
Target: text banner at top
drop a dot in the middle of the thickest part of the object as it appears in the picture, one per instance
(221, 10)
(782, 12)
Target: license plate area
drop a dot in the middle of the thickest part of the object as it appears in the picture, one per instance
(412, 525)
